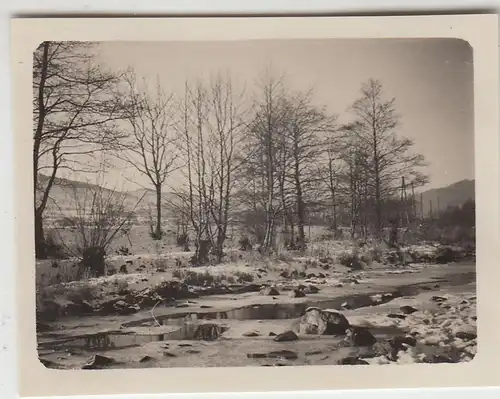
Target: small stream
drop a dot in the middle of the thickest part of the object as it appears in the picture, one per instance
(182, 326)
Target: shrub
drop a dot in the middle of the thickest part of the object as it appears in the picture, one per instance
(245, 244)
(350, 260)
(243, 277)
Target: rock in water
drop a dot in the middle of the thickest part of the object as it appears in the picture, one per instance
(311, 289)
(269, 291)
(296, 294)
(146, 359)
(408, 309)
(286, 337)
(351, 360)
(97, 362)
(323, 322)
(359, 336)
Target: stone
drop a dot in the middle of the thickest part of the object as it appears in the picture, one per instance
(360, 336)
(296, 294)
(98, 362)
(251, 334)
(400, 343)
(123, 269)
(169, 354)
(285, 354)
(269, 291)
(466, 335)
(351, 360)
(408, 309)
(311, 289)
(146, 359)
(286, 337)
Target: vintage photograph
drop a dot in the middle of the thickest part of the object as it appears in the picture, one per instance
(254, 203)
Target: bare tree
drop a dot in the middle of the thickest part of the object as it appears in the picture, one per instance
(75, 110)
(226, 123)
(332, 173)
(389, 156)
(304, 123)
(263, 150)
(211, 127)
(150, 148)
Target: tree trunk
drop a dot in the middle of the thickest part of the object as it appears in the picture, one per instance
(40, 247)
(158, 233)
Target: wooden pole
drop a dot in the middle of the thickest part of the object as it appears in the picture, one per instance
(430, 209)
(421, 206)
(414, 204)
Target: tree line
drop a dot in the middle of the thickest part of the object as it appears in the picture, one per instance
(265, 158)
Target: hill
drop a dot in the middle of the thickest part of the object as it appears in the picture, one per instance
(443, 197)
(66, 193)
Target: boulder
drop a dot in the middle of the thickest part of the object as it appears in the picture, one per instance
(322, 322)
(360, 336)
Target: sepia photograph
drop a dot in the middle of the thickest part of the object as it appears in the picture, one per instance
(255, 203)
(204, 212)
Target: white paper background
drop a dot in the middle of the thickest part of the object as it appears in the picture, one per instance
(10, 8)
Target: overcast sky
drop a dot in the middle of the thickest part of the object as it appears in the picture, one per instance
(431, 79)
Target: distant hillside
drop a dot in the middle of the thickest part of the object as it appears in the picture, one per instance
(62, 197)
(452, 195)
